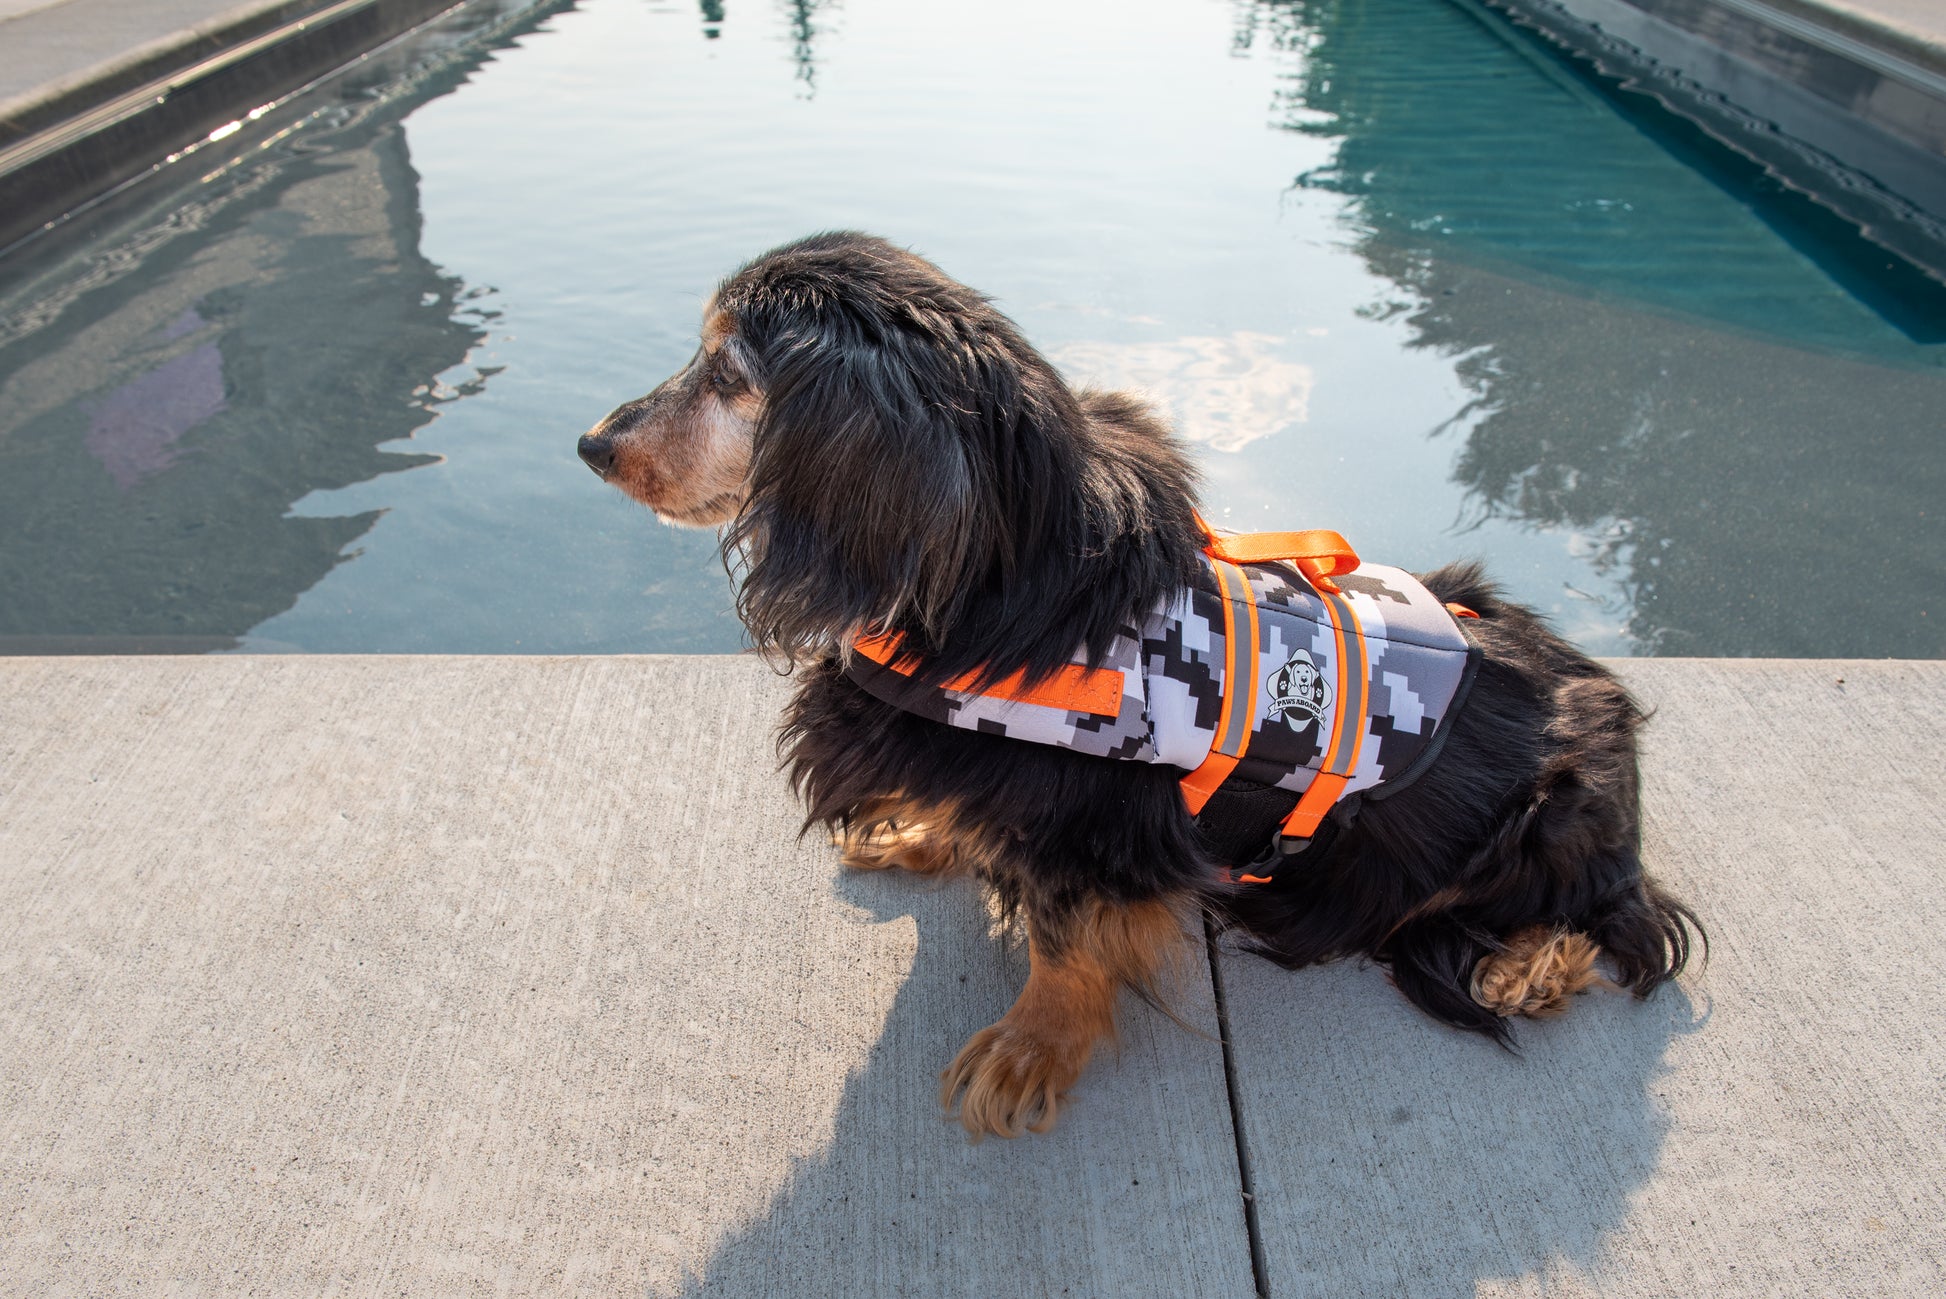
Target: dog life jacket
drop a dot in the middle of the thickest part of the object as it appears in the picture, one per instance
(1289, 665)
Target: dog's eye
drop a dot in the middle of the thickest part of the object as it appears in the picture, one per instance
(722, 377)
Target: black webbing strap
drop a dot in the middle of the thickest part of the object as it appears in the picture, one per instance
(1241, 817)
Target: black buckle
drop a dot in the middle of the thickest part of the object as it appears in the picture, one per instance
(1263, 867)
(1281, 851)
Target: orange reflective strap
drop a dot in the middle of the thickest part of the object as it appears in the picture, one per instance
(1320, 555)
(1335, 744)
(1073, 687)
(1320, 798)
(1347, 723)
(1459, 610)
(1238, 713)
(1199, 784)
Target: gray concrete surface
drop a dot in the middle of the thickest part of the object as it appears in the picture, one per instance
(48, 46)
(96, 93)
(1914, 28)
(1774, 1126)
(442, 976)
(494, 975)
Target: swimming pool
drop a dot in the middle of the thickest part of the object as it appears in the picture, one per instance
(1396, 267)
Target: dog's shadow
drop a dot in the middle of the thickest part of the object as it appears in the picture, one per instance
(1410, 1158)
(1394, 1156)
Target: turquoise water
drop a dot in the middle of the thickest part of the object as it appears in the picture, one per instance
(1395, 267)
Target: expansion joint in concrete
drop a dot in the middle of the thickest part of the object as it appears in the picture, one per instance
(1251, 1225)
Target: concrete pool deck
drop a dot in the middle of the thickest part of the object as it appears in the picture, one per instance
(451, 975)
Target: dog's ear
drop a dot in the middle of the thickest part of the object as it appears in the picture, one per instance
(866, 508)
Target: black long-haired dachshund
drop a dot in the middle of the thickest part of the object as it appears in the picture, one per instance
(889, 458)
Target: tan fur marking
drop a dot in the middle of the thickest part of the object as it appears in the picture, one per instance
(907, 835)
(1537, 973)
(1010, 1078)
(685, 450)
(690, 463)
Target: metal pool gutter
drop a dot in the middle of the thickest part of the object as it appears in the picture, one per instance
(75, 138)
(1845, 101)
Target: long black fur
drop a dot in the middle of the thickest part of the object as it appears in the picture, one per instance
(919, 468)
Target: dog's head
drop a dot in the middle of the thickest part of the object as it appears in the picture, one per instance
(863, 424)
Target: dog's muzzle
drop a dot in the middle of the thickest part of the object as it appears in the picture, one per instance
(598, 453)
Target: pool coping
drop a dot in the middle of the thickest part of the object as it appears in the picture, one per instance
(84, 133)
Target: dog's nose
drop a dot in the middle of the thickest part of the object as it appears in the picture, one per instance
(597, 452)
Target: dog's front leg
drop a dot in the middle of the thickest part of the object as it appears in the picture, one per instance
(1011, 1077)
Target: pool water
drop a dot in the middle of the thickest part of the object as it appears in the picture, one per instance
(1395, 267)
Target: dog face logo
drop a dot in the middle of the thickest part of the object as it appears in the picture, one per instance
(1298, 692)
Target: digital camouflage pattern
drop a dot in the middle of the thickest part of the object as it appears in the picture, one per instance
(1174, 671)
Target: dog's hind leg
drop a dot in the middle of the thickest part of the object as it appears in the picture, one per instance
(1536, 972)
(1010, 1078)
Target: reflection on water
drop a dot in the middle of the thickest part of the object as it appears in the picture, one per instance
(180, 393)
(807, 23)
(1227, 392)
(1768, 488)
(1461, 298)
(132, 431)
(1749, 498)
(1463, 137)
(166, 426)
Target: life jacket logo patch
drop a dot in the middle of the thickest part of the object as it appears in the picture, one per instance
(1298, 692)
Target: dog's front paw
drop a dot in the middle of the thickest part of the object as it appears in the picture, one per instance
(1008, 1082)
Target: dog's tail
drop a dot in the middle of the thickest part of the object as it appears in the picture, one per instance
(1645, 935)
(1648, 935)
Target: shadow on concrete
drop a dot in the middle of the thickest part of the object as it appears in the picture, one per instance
(1134, 1192)
(1393, 1156)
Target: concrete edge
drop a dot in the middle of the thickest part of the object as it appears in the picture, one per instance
(82, 141)
(72, 95)
(1879, 32)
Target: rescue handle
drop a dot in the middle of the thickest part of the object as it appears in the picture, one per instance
(1318, 553)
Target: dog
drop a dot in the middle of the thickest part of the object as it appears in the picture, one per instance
(890, 462)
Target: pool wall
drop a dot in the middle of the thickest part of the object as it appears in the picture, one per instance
(1844, 101)
(91, 99)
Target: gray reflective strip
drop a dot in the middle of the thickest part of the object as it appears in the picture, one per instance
(1351, 685)
(1240, 681)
